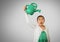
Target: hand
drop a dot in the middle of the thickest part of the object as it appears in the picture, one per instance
(24, 8)
(43, 27)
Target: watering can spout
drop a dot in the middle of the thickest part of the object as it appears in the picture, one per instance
(37, 10)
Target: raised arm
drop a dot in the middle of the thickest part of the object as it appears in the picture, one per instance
(31, 24)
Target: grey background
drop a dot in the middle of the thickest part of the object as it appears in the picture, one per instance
(13, 23)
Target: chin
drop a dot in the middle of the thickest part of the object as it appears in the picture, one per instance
(40, 24)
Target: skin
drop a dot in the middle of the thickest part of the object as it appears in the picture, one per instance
(24, 8)
(40, 22)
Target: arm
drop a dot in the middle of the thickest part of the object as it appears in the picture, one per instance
(28, 20)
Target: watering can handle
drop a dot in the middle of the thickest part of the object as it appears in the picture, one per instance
(34, 4)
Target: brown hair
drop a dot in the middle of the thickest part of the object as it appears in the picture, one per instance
(40, 16)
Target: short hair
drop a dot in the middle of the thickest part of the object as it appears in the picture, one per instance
(40, 16)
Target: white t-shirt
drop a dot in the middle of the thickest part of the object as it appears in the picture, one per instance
(37, 32)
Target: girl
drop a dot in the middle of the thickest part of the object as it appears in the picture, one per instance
(41, 33)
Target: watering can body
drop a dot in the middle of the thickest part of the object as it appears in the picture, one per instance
(30, 9)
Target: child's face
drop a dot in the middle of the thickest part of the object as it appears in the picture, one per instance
(40, 21)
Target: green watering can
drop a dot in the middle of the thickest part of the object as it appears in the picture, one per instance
(30, 9)
(43, 37)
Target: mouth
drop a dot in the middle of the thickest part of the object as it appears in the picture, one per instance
(41, 23)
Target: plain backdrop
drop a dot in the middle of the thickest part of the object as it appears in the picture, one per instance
(13, 24)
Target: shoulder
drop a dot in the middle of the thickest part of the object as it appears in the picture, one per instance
(46, 28)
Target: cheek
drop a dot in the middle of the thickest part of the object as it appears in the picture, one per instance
(38, 22)
(43, 21)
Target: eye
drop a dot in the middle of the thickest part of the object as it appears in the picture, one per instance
(38, 19)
